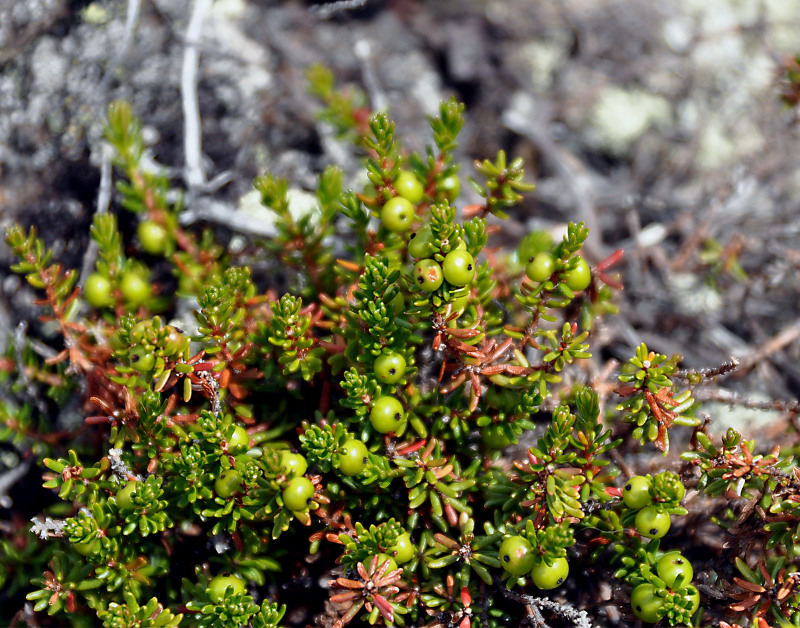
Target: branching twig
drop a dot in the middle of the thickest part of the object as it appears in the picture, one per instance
(735, 399)
(131, 20)
(20, 341)
(103, 202)
(723, 369)
(209, 210)
(363, 52)
(521, 118)
(192, 135)
(536, 605)
(327, 11)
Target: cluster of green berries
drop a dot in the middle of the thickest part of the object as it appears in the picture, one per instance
(457, 268)
(649, 599)
(151, 345)
(672, 588)
(134, 286)
(387, 414)
(401, 552)
(652, 520)
(541, 267)
(299, 490)
(398, 213)
(518, 558)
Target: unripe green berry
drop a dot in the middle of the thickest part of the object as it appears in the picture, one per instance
(387, 415)
(409, 187)
(645, 603)
(541, 267)
(516, 555)
(298, 493)
(87, 548)
(420, 243)
(382, 558)
(458, 267)
(352, 457)
(397, 214)
(152, 236)
(428, 275)
(390, 367)
(293, 464)
(672, 565)
(551, 576)
(450, 186)
(239, 441)
(636, 493)
(692, 595)
(218, 586)
(123, 497)
(579, 277)
(135, 288)
(228, 483)
(97, 291)
(142, 360)
(175, 342)
(652, 522)
(403, 549)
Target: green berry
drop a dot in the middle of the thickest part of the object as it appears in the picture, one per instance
(115, 341)
(387, 415)
(382, 558)
(135, 289)
(550, 576)
(298, 494)
(645, 603)
(293, 464)
(579, 277)
(494, 437)
(671, 566)
(137, 333)
(222, 584)
(458, 268)
(228, 483)
(390, 367)
(397, 214)
(458, 306)
(420, 243)
(652, 522)
(516, 555)
(152, 236)
(541, 267)
(398, 304)
(124, 495)
(175, 342)
(450, 186)
(97, 291)
(532, 244)
(87, 548)
(239, 441)
(428, 275)
(403, 549)
(352, 457)
(142, 360)
(636, 493)
(409, 187)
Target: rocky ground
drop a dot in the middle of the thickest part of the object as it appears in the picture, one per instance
(659, 124)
